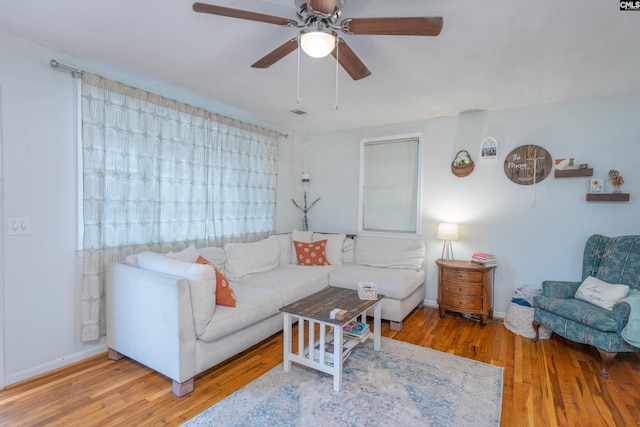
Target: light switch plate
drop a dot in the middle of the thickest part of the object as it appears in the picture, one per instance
(18, 225)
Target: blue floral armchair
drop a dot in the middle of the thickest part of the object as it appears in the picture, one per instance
(611, 259)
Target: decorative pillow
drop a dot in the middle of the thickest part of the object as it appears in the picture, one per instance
(188, 254)
(299, 236)
(334, 246)
(601, 293)
(224, 293)
(311, 253)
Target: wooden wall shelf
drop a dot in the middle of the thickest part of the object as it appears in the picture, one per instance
(573, 173)
(610, 197)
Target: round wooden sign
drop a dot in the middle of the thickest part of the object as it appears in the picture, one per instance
(528, 164)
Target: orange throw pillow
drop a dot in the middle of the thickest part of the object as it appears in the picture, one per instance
(224, 293)
(311, 253)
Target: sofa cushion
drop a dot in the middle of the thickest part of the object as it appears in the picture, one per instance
(202, 283)
(188, 254)
(292, 282)
(252, 306)
(216, 256)
(393, 283)
(390, 253)
(310, 254)
(579, 311)
(601, 293)
(247, 259)
(284, 240)
(334, 248)
(224, 293)
(349, 251)
(132, 260)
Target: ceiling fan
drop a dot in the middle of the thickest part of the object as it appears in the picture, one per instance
(318, 37)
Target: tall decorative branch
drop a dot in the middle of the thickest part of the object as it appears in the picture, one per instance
(305, 209)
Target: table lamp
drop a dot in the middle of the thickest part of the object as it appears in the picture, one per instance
(447, 232)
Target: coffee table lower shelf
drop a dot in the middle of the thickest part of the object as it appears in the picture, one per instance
(329, 331)
(324, 361)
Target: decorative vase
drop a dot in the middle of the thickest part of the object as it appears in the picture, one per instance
(616, 189)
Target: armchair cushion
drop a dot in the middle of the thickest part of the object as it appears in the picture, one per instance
(578, 311)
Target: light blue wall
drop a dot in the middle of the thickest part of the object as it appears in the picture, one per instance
(532, 242)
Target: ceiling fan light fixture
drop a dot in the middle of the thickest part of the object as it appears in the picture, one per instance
(318, 43)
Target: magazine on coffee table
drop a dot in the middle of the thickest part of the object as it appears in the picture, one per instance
(328, 352)
(356, 331)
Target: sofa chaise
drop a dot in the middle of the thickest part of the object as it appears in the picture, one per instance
(162, 310)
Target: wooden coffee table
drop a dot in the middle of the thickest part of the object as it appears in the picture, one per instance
(315, 310)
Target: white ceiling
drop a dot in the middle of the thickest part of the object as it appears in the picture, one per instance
(490, 55)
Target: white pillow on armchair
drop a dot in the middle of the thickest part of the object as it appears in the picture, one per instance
(600, 293)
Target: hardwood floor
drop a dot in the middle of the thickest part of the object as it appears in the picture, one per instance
(552, 383)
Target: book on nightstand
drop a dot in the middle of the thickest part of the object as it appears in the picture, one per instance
(483, 258)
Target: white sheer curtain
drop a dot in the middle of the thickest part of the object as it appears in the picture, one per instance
(242, 181)
(159, 175)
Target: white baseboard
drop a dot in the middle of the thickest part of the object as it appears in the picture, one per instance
(434, 304)
(55, 364)
(430, 303)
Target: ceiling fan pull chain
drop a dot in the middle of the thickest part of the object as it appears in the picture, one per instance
(337, 62)
(298, 100)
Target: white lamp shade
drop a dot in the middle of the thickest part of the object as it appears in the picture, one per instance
(447, 231)
(317, 44)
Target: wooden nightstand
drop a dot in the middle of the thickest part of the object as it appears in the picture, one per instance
(465, 287)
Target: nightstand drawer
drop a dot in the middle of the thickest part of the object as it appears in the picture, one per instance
(462, 289)
(462, 302)
(463, 276)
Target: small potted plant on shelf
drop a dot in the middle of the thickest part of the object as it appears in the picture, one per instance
(616, 180)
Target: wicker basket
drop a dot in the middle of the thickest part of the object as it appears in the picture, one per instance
(462, 170)
(367, 291)
(519, 321)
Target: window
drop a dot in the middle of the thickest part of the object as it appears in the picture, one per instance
(390, 185)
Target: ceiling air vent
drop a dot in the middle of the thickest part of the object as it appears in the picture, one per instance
(298, 112)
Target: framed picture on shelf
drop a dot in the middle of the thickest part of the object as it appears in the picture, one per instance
(597, 186)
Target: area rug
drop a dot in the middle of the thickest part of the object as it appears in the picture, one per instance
(401, 385)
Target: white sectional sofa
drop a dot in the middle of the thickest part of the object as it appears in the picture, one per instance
(162, 312)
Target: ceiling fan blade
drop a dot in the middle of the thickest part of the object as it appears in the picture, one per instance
(417, 26)
(277, 54)
(350, 61)
(323, 6)
(243, 14)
